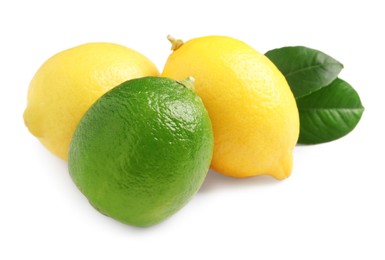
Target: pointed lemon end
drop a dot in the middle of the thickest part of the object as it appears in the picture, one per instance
(30, 120)
(284, 170)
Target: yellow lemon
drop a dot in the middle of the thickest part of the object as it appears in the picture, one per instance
(68, 83)
(253, 111)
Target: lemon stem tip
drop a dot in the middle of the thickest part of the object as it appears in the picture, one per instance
(175, 43)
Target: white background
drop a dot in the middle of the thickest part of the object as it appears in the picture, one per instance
(332, 207)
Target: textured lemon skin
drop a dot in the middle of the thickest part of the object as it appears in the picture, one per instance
(68, 83)
(253, 111)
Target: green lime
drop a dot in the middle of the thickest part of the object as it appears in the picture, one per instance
(142, 150)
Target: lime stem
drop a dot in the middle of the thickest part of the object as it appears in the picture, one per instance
(188, 83)
(175, 43)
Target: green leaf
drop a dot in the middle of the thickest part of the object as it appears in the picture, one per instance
(306, 70)
(329, 113)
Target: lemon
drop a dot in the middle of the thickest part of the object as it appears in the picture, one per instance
(68, 83)
(142, 150)
(252, 109)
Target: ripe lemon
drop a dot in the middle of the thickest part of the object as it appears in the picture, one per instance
(142, 150)
(68, 83)
(252, 109)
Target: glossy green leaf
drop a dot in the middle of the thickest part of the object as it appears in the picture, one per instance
(306, 70)
(329, 113)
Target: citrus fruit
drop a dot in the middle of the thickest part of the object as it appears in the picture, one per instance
(142, 150)
(252, 109)
(68, 83)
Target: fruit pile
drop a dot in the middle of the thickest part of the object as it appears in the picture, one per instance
(139, 143)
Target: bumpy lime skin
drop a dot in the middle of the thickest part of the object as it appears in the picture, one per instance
(142, 150)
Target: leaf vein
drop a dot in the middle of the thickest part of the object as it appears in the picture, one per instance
(340, 109)
(310, 68)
